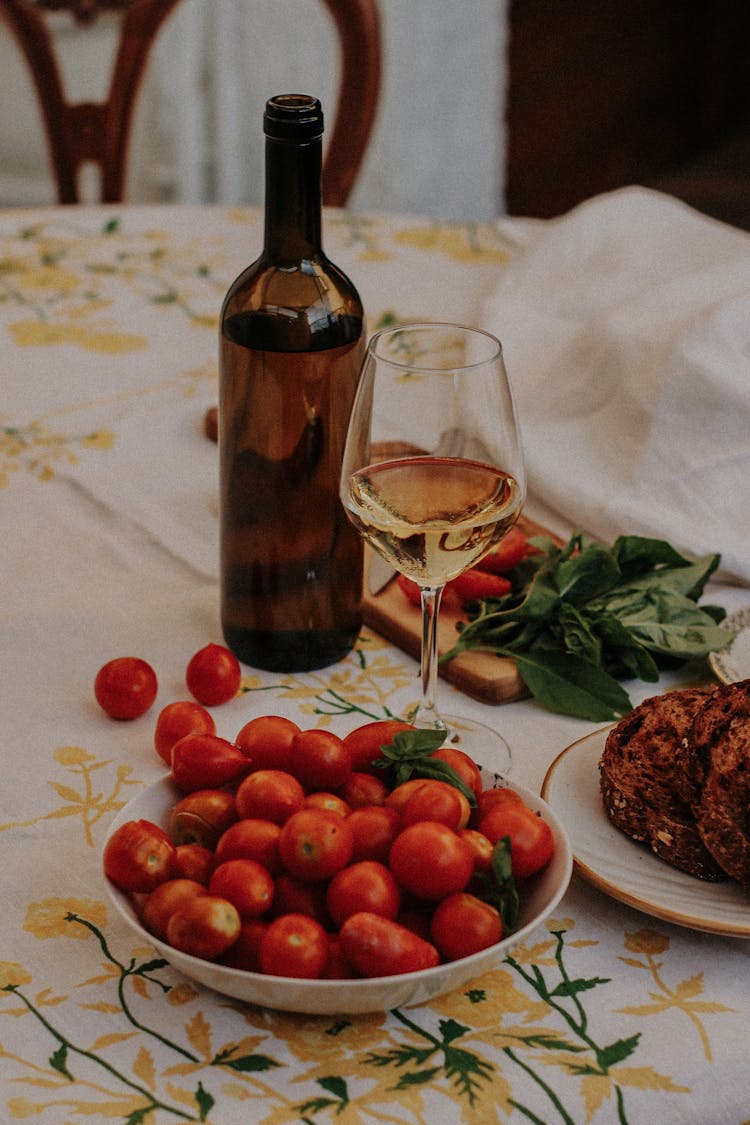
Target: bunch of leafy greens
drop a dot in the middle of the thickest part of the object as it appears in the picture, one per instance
(580, 618)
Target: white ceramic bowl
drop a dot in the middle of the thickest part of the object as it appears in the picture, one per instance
(350, 997)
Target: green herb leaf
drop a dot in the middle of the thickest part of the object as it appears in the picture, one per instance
(564, 683)
(410, 755)
(504, 894)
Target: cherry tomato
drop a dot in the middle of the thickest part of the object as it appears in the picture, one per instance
(398, 797)
(475, 584)
(175, 721)
(294, 945)
(506, 554)
(481, 848)
(205, 761)
(201, 817)
(315, 844)
(488, 798)
(294, 896)
(319, 759)
(379, 947)
(192, 861)
(330, 801)
(363, 886)
(464, 924)
(364, 789)
(244, 953)
(138, 856)
(269, 795)
(266, 740)
(436, 800)
(365, 743)
(213, 675)
(374, 828)
(465, 767)
(244, 883)
(531, 840)
(125, 687)
(251, 838)
(204, 926)
(162, 902)
(430, 860)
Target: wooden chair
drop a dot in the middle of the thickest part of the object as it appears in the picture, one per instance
(99, 132)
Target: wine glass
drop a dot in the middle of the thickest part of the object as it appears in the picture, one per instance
(433, 475)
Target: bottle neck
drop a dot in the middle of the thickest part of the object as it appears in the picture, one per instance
(293, 200)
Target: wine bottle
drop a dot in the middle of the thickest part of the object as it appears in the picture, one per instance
(291, 348)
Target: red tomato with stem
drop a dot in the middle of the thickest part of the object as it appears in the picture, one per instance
(315, 843)
(367, 885)
(201, 817)
(138, 856)
(204, 926)
(251, 838)
(374, 828)
(365, 743)
(266, 741)
(430, 860)
(213, 675)
(244, 883)
(269, 795)
(531, 839)
(380, 947)
(294, 945)
(206, 761)
(161, 903)
(175, 721)
(125, 687)
(319, 759)
(464, 924)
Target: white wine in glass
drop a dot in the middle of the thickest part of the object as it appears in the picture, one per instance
(433, 475)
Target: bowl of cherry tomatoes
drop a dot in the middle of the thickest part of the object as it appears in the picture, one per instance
(306, 872)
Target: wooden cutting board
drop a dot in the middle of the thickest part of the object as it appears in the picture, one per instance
(482, 675)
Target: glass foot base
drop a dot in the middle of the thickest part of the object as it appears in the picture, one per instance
(484, 745)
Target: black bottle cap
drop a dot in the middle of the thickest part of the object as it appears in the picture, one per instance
(296, 117)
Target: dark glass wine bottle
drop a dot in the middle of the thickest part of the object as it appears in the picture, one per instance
(292, 341)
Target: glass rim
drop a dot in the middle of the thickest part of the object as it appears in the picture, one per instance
(429, 325)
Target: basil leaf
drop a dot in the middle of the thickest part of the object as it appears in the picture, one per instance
(564, 683)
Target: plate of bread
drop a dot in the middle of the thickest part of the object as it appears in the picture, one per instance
(658, 807)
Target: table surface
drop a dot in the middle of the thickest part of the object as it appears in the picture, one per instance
(109, 513)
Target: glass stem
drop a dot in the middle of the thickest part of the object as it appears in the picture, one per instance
(426, 714)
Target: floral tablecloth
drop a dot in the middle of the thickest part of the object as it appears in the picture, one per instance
(109, 547)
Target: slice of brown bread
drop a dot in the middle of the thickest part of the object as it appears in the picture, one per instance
(719, 755)
(637, 771)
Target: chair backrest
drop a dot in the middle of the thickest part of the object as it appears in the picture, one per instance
(99, 132)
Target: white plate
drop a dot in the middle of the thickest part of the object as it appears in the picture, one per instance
(324, 997)
(733, 662)
(628, 871)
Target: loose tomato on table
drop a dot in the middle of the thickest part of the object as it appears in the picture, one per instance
(138, 856)
(177, 719)
(315, 843)
(294, 945)
(213, 675)
(531, 839)
(430, 860)
(125, 687)
(380, 947)
(266, 741)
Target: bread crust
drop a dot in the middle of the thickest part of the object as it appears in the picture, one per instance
(644, 788)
